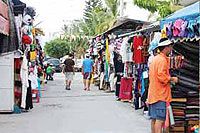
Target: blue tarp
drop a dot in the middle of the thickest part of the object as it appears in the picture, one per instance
(187, 13)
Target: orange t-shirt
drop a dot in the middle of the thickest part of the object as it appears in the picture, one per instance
(159, 86)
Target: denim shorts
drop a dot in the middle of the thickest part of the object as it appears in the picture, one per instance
(158, 110)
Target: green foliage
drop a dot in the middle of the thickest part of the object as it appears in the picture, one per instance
(56, 48)
(90, 21)
(90, 5)
(150, 5)
(112, 6)
(97, 19)
(164, 7)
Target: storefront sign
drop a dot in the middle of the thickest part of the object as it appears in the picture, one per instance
(4, 26)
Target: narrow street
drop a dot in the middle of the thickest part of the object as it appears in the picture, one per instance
(76, 111)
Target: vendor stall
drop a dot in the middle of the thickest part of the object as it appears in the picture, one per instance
(21, 57)
(8, 44)
(182, 27)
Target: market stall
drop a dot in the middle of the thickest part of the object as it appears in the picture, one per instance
(182, 27)
(21, 56)
(110, 65)
(8, 44)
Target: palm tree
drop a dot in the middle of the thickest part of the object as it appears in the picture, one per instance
(163, 8)
(108, 16)
(113, 12)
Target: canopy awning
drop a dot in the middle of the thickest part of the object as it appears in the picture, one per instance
(18, 7)
(183, 24)
(187, 13)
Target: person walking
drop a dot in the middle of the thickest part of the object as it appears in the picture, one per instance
(69, 71)
(87, 70)
(159, 88)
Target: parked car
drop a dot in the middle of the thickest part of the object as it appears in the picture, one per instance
(56, 64)
(78, 65)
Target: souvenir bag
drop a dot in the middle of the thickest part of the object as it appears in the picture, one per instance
(126, 89)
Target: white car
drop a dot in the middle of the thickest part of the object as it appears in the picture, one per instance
(78, 65)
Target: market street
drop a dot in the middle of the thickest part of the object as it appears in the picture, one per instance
(76, 111)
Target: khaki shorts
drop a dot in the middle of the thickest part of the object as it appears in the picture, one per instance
(69, 76)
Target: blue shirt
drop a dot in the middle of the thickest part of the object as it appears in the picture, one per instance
(87, 65)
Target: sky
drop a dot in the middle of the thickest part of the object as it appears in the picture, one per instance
(54, 13)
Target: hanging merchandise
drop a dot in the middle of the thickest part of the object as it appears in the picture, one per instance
(176, 62)
(107, 59)
(119, 67)
(126, 89)
(111, 49)
(112, 81)
(184, 63)
(26, 39)
(125, 51)
(183, 24)
(25, 84)
(137, 48)
(33, 55)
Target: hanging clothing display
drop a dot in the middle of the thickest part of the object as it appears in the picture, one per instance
(125, 51)
(25, 83)
(137, 48)
(29, 102)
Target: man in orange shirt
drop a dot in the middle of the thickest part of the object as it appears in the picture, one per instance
(159, 87)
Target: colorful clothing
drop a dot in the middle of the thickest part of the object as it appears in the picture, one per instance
(49, 69)
(159, 87)
(138, 46)
(87, 65)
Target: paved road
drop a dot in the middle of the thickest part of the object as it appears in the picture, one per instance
(76, 111)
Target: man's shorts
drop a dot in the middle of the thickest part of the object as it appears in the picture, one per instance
(158, 110)
(69, 76)
(87, 76)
